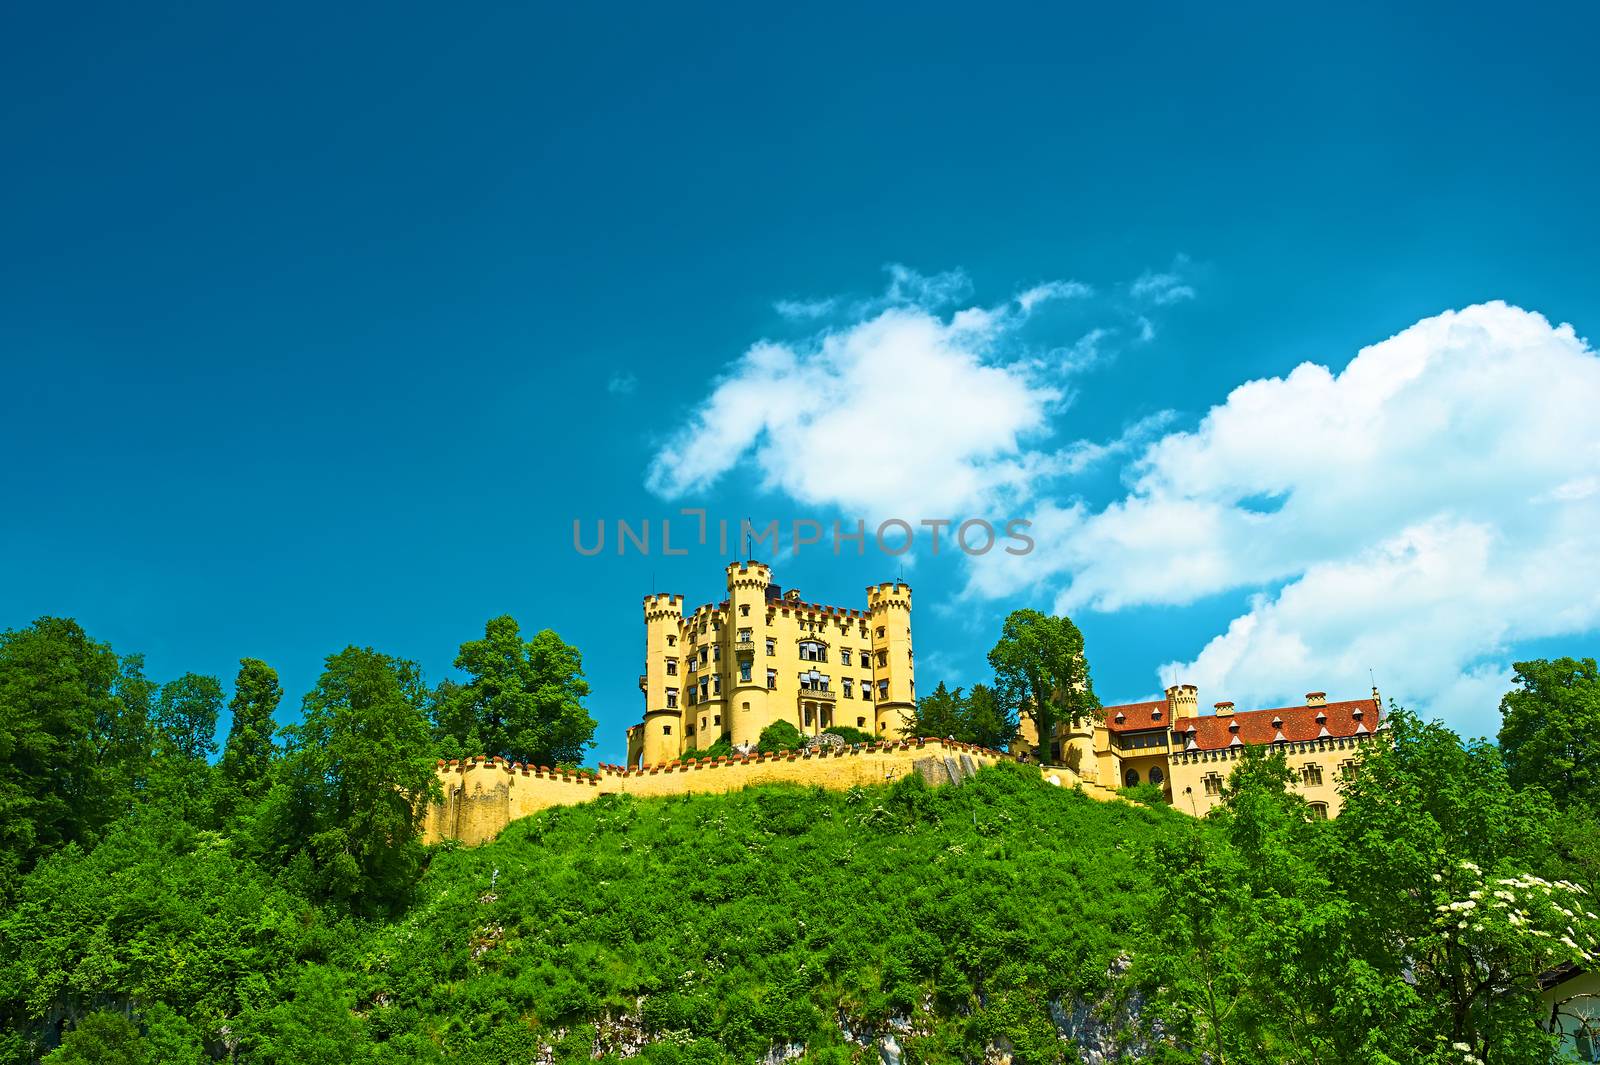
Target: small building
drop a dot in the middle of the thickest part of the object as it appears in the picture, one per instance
(764, 655)
(1569, 999)
(1188, 755)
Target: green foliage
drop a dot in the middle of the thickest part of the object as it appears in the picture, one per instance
(978, 717)
(1550, 731)
(343, 817)
(849, 735)
(248, 757)
(1040, 672)
(723, 748)
(522, 701)
(68, 740)
(780, 736)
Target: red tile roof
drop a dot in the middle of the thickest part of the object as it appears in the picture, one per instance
(1255, 726)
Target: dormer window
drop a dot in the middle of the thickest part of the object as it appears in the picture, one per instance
(1120, 718)
(1233, 726)
(1155, 715)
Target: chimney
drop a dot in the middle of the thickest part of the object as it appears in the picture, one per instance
(1316, 698)
(1183, 700)
(1224, 709)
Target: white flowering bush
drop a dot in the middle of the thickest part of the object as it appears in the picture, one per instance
(1492, 936)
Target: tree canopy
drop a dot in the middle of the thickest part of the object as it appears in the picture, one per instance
(522, 700)
(1040, 673)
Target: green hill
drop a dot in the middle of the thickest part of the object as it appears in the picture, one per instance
(703, 928)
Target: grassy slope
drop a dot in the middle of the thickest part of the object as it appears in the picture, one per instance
(749, 920)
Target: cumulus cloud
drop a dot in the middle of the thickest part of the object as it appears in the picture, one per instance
(1416, 514)
(954, 410)
(943, 420)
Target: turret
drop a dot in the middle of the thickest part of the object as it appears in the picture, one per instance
(746, 707)
(1183, 700)
(663, 679)
(893, 666)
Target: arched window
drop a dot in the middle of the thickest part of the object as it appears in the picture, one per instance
(1319, 811)
(1156, 776)
(1131, 778)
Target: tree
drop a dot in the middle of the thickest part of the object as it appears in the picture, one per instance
(1040, 672)
(1550, 730)
(1436, 854)
(185, 716)
(939, 713)
(976, 717)
(248, 757)
(102, 1038)
(184, 727)
(346, 812)
(64, 740)
(988, 723)
(780, 736)
(522, 701)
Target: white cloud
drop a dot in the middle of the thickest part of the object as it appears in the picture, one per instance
(622, 383)
(803, 310)
(1030, 298)
(1162, 288)
(1416, 514)
(942, 418)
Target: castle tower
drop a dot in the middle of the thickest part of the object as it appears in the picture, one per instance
(1183, 700)
(747, 707)
(662, 681)
(893, 666)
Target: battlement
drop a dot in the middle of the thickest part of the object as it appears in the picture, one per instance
(483, 795)
(889, 594)
(659, 607)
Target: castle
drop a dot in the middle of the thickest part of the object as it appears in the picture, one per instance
(763, 655)
(1188, 755)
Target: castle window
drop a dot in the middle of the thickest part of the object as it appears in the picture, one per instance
(1311, 774)
(672, 641)
(672, 667)
(716, 719)
(883, 659)
(672, 698)
(702, 722)
(772, 647)
(772, 679)
(813, 652)
(1130, 778)
(844, 656)
(866, 688)
(705, 688)
(716, 652)
(1347, 769)
(689, 730)
(746, 635)
(744, 671)
(883, 690)
(880, 632)
(1319, 811)
(861, 722)
(716, 684)
(689, 696)
(1156, 775)
(849, 687)
(746, 706)
(1213, 783)
(744, 611)
(666, 730)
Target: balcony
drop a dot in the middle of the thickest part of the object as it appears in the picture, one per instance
(817, 695)
(642, 681)
(748, 646)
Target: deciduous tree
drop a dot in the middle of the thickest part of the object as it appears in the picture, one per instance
(1040, 672)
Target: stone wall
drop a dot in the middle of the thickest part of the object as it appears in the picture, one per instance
(482, 796)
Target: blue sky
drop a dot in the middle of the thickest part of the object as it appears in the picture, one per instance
(320, 326)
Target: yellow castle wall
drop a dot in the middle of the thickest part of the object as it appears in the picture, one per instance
(482, 797)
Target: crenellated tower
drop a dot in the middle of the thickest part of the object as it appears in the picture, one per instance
(662, 680)
(893, 660)
(747, 708)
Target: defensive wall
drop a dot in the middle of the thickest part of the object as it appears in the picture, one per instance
(484, 795)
